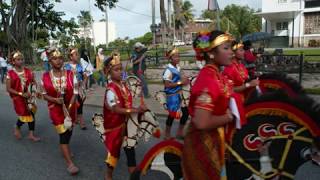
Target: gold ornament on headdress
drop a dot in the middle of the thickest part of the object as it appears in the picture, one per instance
(237, 46)
(115, 60)
(74, 50)
(221, 39)
(56, 54)
(173, 52)
(17, 54)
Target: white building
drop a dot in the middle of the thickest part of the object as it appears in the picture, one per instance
(293, 22)
(99, 32)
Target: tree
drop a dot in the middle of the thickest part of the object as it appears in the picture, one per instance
(208, 14)
(183, 15)
(164, 23)
(242, 19)
(85, 21)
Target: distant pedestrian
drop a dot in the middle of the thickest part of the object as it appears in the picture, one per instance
(45, 59)
(99, 67)
(139, 65)
(3, 67)
(87, 68)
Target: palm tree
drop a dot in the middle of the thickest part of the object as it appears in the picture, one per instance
(164, 23)
(184, 17)
(85, 20)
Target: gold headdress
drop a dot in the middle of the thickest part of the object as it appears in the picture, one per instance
(173, 52)
(237, 46)
(56, 53)
(17, 54)
(115, 60)
(220, 40)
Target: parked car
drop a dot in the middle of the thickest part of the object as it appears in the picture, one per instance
(189, 42)
(178, 43)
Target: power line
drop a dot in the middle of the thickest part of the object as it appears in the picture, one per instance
(134, 12)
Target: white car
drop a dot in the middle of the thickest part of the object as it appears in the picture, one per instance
(178, 43)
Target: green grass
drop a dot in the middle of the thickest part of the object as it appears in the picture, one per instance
(304, 51)
(313, 91)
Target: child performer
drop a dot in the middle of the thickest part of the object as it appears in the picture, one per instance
(173, 83)
(19, 81)
(59, 89)
(117, 107)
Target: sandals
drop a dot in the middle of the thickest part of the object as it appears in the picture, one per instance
(73, 170)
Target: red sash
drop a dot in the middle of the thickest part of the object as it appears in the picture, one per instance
(19, 102)
(55, 110)
(114, 123)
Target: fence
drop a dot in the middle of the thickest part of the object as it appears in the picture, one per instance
(290, 64)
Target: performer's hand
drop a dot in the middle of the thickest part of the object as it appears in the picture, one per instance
(58, 100)
(185, 81)
(143, 108)
(26, 95)
(254, 83)
(229, 115)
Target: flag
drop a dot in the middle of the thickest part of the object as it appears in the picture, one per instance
(213, 5)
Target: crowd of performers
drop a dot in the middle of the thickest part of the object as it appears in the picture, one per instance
(215, 107)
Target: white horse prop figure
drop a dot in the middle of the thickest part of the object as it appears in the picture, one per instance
(139, 126)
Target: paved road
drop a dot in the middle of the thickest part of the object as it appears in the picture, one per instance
(38, 161)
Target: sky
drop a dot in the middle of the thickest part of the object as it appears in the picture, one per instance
(138, 23)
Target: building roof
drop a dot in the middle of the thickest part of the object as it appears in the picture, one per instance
(278, 14)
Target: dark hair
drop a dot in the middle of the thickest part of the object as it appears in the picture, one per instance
(247, 45)
(83, 56)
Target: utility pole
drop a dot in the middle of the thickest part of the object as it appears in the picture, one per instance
(107, 25)
(169, 20)
(92, 31)
(153, 26)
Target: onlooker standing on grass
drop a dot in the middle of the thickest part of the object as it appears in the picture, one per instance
(87, 67)
(99, 66)
(45, 59)
(139, 65)
(3, 67)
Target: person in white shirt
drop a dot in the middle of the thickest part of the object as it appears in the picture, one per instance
(87, 68)
(3, 67)
(45, 59)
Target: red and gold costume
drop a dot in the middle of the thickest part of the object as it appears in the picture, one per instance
(203, 152)
(57, 88)
(239, 75)
(20, 81)
(114, 123)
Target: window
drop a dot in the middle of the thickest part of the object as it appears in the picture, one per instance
(282, 1)
(312, 23)
(282, 26)
(312, 3)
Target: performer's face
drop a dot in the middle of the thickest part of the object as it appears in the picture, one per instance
(74, 57)
(115, 72)
(239, 53)
(18, 62)
(56, 62)
(223, 54)
(175, 59)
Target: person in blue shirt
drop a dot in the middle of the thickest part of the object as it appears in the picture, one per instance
(173, 82)
(78, 71)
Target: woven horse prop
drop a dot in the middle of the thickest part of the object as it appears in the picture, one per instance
(139, 125)
(279, 130)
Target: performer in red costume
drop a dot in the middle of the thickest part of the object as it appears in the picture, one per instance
(19, 80)
(59, 88)
(117, 107)
(203, 151)
(238, 73)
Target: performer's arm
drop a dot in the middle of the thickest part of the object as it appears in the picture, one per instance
(113, 104)
(203, 119)
(167, 78)
(49, 98)
(243, 87)
(13, 91)
(139, 59)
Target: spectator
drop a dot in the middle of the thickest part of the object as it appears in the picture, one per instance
(87, 67)
(3, 67)
(99, 66)
(45, 59)
(139, 65)
(249, 59)
(310, 170)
